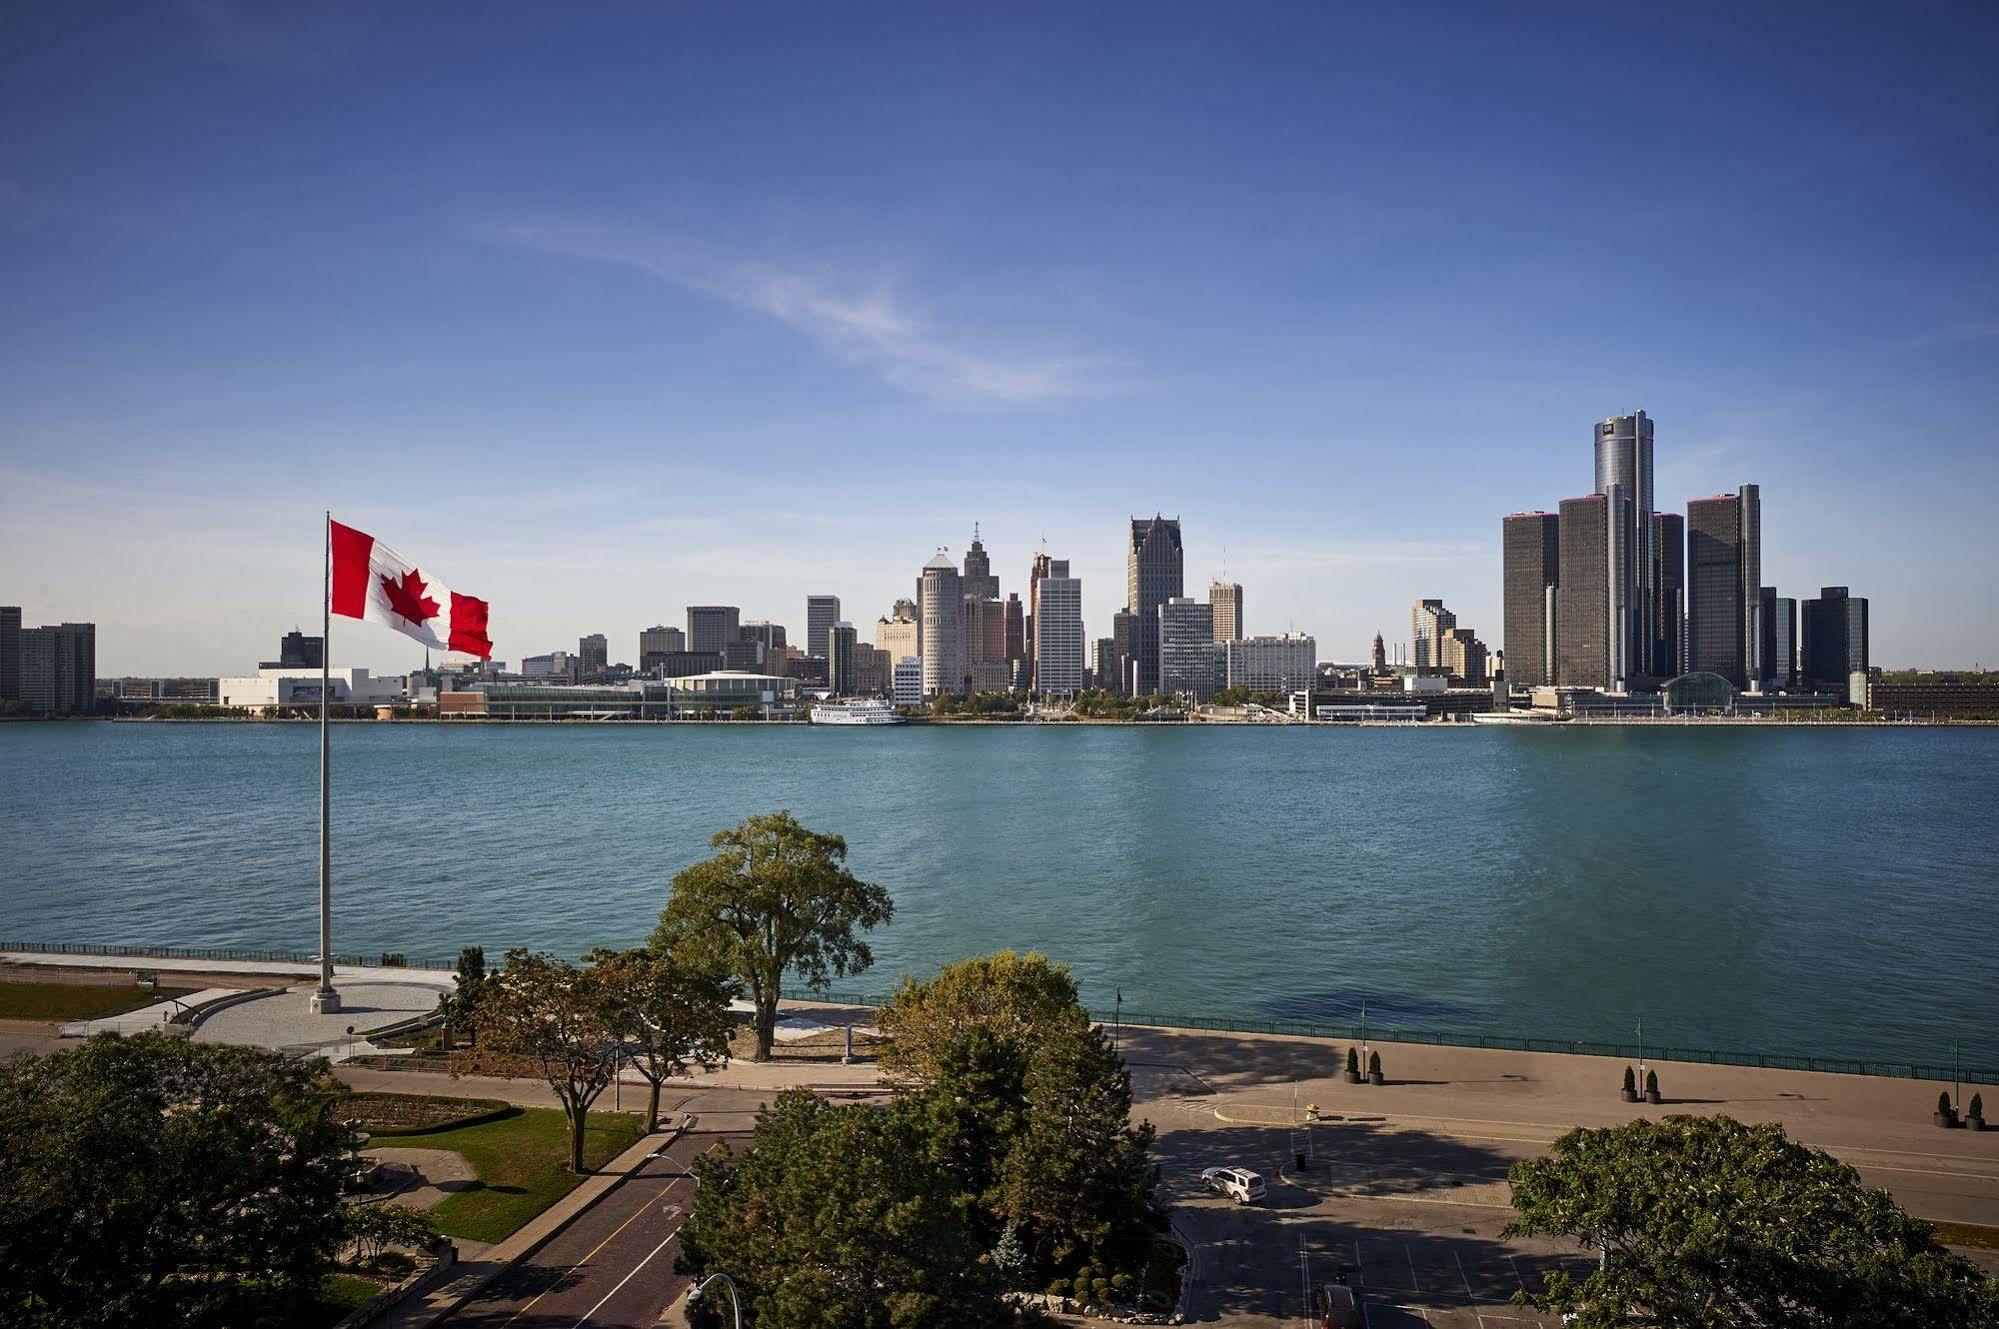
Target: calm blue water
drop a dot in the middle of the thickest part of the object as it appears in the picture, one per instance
(1807, 890)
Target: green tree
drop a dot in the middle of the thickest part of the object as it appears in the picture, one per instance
(374, 1228)
(561, 1020)
(834, 1220)
(461, 1005)
(1017, 999)
(668, 1013)
(1705, 1223)
(152, 1180)
(776, 897)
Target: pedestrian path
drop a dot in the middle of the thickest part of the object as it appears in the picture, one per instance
(159, 1015)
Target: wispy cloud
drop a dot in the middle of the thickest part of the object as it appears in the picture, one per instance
(872, 328)
(1960, 335)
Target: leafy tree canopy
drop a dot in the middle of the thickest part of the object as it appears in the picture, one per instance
(668, 1012)
(561, 1020)
(152, 1180)
(1017, 1000)
(1712, 1224)
(775, 898)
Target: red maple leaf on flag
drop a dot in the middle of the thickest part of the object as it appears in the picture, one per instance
(407, 598)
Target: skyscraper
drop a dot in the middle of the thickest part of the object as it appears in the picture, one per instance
(59, 669)
(840, 643)
(712, 627)
(1589, 541)
(10, 652)
(1832, 639)
(900, 636)
(980, 583)
(1669, 552)
(1016, 628)
(1226, 597)
(941, 608)
(1190, 660)
(1428, 622)
(1624, 459)
(1058, 631)
(821, 613)
(1532, 557)
(1777, 622)
(1724, 574)
(655, 643)
(1153, 575)
(1378, 659)
(1124, 638)
(593, 654)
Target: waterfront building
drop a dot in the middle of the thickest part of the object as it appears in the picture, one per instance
(840, 641)
(593, 654)
(980, 581)
(655, 642)
(1832, 640)
(10, 652)
(985, 645)
(1724, 586)
(871, 671)
(769, 637)
(1189, 663)
(556, 664)
(821, 613)
(1103, 664)
(1154, 574)
(1532, 561)
(900, 634)
(682, 664)
(1378, 658)
(1058, 631)
(1624, 462)
(743, 655)
(1428, 622)
(1015, 629)
(1124, 637)
(1286, 664)
(1226, 599)
(1669, 586)
(1590, 555)
(277, 686)
(1777, 621)
(1463, 655)
(298, 651)
(711, 627)
(58, 669)
(1942, 696)
(907, 681)
(1037, 570)
(942, 613)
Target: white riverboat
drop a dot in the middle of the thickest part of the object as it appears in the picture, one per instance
(855, 712)
(1518, 717)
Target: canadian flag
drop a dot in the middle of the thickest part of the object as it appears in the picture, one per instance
(372, 581)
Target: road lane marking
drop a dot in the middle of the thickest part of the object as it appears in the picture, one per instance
(1461, 1272)
(1409, 1254)
(640, 1213)
(628, 1277)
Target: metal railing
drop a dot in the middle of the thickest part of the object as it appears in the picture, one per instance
(236, 955)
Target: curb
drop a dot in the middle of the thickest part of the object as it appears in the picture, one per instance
(547, 1225)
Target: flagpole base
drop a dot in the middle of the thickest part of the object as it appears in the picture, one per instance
(325, 1002)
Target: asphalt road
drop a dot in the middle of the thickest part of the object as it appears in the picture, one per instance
(613, 1267)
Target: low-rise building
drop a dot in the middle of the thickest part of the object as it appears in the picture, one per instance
(1271, 664)
(908, 681)
(278, 687)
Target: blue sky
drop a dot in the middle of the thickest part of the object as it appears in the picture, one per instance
(598, 311)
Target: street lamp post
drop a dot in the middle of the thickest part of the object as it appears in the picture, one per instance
(1117, 1018)
(735, 1297)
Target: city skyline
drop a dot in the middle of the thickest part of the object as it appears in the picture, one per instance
(649, 366)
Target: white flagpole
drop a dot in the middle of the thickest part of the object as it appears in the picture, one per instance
(325, 999)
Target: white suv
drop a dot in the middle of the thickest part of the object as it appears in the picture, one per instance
(1239, 1184)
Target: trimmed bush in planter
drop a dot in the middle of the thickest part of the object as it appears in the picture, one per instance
(1353, 1066)
(1946, 1115)
(1374, 1068)
(1975, 1117)
(1630, 1090)
(1651, 1086)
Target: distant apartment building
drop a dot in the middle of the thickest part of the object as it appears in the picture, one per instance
(985, 645)
(1286, 664)
(907, 681)
(1832, 639)
(58, 669)
(821, 613)
(941, 611)
(297, 651)
(744, 655)
(1103, 664)
(1777, 621)
(1058, 632)
(1724, 586)
(593, 654)
(900, 635)
(655, 642)
(1428, 622)
(1464, 655)
(1124, 637)
(840, 642)
(712, 627)
(1154, 574)
(871, 672)
(1225, 598)
(10, 653)
(1015, 629)
(1189, 657)
(1669, 619)
(1588, 539)
(1532, 558)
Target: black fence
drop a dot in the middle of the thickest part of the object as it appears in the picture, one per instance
(386, 960)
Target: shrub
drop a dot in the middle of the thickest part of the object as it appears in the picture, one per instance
(1121, 1284)
(1374, 1063)
(1630, 1081)
(1651, 1082)
(1978, 1106)
(1353, 1061)
(1943, 1104)
(1100, 1292)
(1058, 1287)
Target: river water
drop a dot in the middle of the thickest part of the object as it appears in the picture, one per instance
(1802, 890)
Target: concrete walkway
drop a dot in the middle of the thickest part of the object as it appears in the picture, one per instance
(159, 1015)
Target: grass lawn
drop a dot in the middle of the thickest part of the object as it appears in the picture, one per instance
(76, 1001)
(522, 1162)
(1968, 1234)
(340, 1294)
